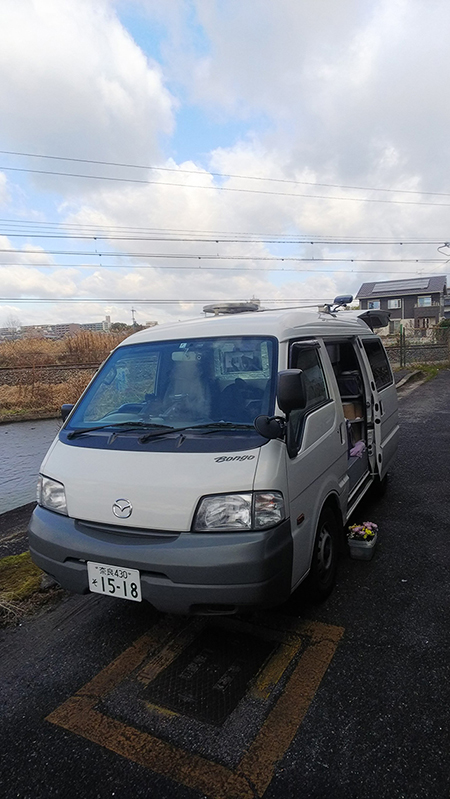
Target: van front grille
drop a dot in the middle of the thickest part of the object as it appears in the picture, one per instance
(115, 529)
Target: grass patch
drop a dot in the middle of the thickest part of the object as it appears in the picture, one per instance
(85, 347)
(20, 589)
(430, 370)
(41, 398)
(19, 577)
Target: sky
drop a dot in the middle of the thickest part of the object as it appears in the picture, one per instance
(217, 150)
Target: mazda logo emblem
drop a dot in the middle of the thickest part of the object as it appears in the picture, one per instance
(122, 508)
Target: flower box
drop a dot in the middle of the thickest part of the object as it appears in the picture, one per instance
(362, 539)
(362, 549)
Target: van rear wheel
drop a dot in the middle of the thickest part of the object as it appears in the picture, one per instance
(322, 575)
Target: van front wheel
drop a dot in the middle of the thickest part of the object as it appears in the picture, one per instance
(322, 576)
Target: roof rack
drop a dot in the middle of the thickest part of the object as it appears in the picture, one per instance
(231, 307)
(339, 302)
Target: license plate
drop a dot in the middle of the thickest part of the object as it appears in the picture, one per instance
(117, 581)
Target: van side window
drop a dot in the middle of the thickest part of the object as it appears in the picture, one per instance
(346, 368)
(378, 363)
(308, 361)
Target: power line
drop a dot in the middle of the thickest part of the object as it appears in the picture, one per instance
(215, 240)
(143, 301)
(200, 257)
(304, 238)
(223, 174)
(218, 188)
(229, 270)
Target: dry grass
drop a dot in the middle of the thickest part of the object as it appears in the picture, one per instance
(41, 397)
(20, 588)
(85, 347)
(19, 577)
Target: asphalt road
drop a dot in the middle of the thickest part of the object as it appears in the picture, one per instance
(358, 708)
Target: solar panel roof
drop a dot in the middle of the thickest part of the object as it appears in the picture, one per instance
(401, 285)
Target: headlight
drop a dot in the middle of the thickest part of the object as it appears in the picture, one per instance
(51, 495)
(250, 511)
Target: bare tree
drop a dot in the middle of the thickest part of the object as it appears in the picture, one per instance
(13, 325)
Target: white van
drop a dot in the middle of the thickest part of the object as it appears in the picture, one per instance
(211, 465)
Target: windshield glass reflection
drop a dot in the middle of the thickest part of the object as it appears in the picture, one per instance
(182, 383)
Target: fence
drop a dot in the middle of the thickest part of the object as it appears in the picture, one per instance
(408, 351)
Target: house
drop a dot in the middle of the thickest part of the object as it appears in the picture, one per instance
(417, 304)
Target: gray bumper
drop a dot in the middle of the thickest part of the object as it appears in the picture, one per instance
(180, 573)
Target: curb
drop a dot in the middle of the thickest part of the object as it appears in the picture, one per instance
(29, 417)
(407, 379)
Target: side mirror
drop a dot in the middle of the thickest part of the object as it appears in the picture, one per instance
(269, 426)
(65, 410)
(291, 391)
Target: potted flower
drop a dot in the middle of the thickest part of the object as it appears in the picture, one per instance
(362, 539)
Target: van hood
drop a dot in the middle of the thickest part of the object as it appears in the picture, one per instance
(162, 488)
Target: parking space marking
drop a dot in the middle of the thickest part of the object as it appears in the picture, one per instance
(173, 648)
(256, 767)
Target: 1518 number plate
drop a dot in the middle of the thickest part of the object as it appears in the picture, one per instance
(117, 581)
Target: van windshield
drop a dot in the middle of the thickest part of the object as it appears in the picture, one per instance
(181, 383)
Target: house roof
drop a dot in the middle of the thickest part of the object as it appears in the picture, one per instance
(401, 288)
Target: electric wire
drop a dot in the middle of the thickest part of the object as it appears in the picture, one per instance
(213, 240)
(229, 269)
(146, 301)
(223, 174)
(253, 236)
(219, 188)
(212, 257)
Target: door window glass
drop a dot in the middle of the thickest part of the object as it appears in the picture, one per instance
(308, 361)
(379, 363)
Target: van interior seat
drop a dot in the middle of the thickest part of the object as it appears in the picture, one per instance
(187, 391)
(241, 401)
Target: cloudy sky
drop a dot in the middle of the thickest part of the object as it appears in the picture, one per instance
(159, 155)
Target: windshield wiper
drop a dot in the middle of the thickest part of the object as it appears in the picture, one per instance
(130, 425)
(208, 427)
(214, 427)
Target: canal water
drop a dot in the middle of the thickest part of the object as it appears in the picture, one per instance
(22, 449)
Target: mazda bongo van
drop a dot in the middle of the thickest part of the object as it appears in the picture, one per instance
(210, 466)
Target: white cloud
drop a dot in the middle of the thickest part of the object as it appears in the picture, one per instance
(340, 83)
(72, 81)
(352, 93)
(4, 193)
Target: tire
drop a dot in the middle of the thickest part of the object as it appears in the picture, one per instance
(322, 575)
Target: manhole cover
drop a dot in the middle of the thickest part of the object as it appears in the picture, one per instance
(208, 679)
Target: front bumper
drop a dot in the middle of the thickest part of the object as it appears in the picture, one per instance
(184, 573)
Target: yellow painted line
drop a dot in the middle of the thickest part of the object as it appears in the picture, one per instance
(277, 732)
(161, 711)
(273, 672)
(257, 766)
(171, 651)
(113, 674)
(189, 769)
